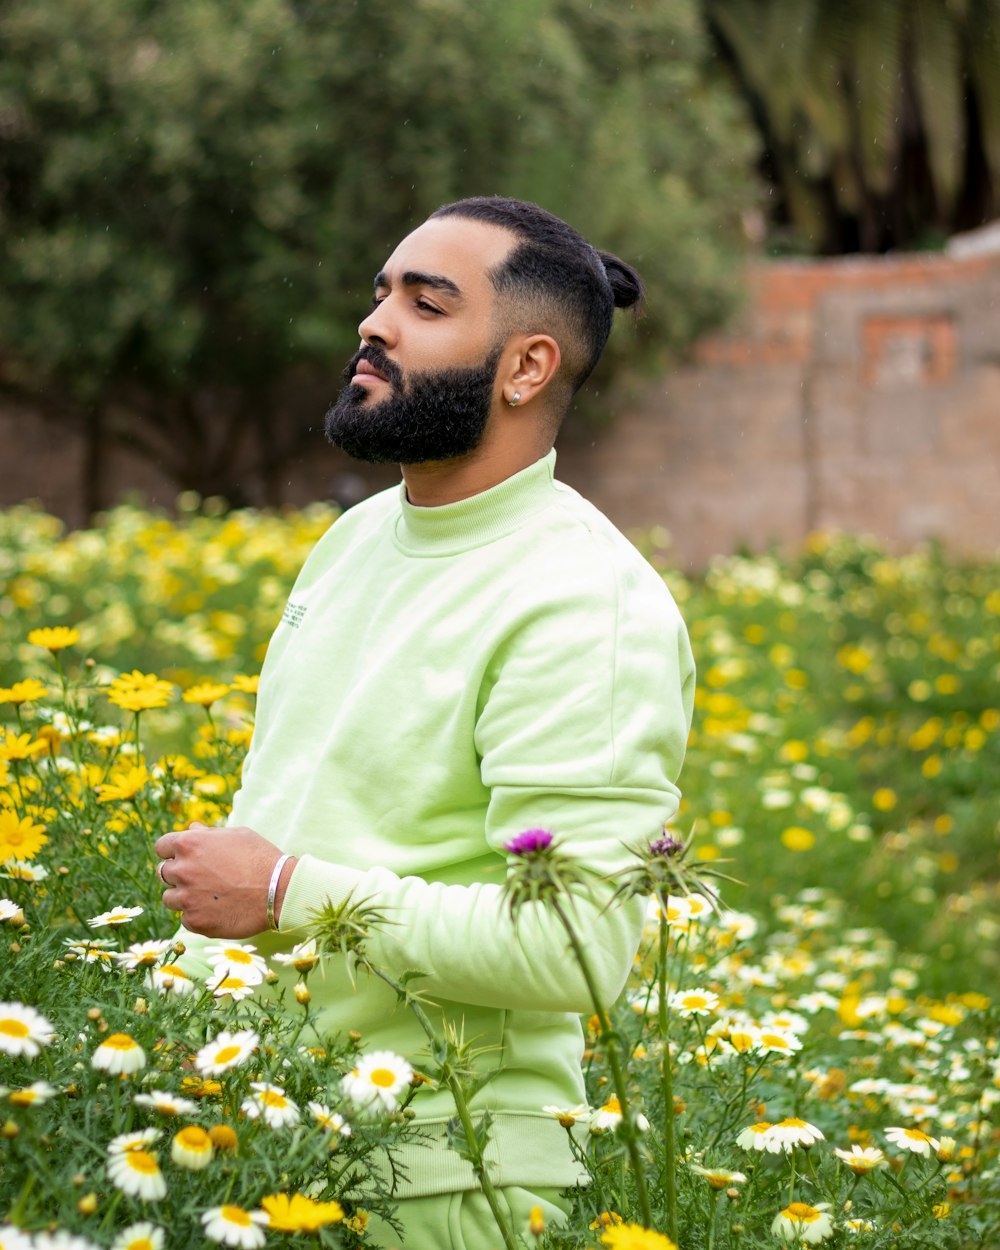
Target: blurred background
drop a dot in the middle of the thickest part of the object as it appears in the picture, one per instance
(194, 197)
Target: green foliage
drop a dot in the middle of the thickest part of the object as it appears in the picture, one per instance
(194, 197)
(846, 744)
(881, 121)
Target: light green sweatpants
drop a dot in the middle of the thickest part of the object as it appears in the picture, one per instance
(464, 1221)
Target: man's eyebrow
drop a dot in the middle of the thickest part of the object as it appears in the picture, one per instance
(416, 277)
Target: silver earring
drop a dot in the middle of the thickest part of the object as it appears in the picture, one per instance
(515, 400)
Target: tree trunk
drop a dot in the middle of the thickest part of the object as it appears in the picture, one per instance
(94, 452)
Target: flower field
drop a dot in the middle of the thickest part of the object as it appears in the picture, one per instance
(811, 1058)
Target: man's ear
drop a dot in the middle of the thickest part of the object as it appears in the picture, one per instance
(533, 363)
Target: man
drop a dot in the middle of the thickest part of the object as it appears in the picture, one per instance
(475, 653)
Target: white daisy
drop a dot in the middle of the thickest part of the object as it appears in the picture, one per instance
(569, 1116)
(239, 957)
(378, 1079)
(116, 916)
(817, 1001)
(228, 1050)
(9, 910)
(141, 1236)
(171, 979)
(13, 1239)
(861, 1159)
(920, 1111)
(31, 1096)
(737, 924)
(125, 1142)
(694, 1002)
(60, 1240)
(719, 1178)
(772, 1041)
(270, 1103)
(609, 1116)
(914, 1140)
(802, 1224)
(698, 906)
(784, 1136)
(23, 870)
(144, 954)
(23, 1030)
(235, 985)
(332, 1121)
(91, 951)
(785, 1022)
(232, 1226)
(753, 1138)
(192, 1148)
(302, 957)
(677, 914)
(119, 1054)
(740, 1037)
(165, 1103)
(137, 1173)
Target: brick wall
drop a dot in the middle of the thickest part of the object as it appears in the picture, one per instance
(859, 394)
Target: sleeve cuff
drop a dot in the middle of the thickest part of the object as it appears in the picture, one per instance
(313, 884)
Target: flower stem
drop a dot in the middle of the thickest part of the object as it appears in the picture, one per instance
(464, 1115)
(610, 1043)
(667, 1091)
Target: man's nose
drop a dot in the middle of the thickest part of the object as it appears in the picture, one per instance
(377, 326)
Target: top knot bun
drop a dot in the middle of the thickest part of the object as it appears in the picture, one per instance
(626, 285)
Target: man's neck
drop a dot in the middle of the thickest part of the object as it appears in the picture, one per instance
(447, 481)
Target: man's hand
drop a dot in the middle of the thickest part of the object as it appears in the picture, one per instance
(218, 879)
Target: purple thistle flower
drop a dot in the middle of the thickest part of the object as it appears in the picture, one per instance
(666, 847)
(530, 842)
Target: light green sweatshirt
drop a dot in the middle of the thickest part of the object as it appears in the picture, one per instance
(443, 679)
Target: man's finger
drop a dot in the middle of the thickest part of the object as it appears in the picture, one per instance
(166, 847)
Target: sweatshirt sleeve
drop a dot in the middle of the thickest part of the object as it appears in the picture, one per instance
(583, 719)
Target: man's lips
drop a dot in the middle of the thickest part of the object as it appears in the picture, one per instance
(365, 372)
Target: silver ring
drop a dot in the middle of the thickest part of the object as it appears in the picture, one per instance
(159, 873)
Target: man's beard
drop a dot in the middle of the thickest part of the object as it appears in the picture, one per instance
(436, 415)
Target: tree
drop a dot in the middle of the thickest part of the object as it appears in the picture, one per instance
(194, 195)
(880, 121)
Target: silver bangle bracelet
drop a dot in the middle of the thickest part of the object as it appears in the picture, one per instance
(272, 889)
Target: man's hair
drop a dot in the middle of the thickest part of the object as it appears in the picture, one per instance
(554, 281)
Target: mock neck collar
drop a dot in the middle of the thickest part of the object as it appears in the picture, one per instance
(473, 522)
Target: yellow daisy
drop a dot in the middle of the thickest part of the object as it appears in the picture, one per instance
(20, 837)
(19, 746)
(296, 1213)
(139, 692)
(27, 691)
(205, 693)
(635, 1237)
(125, 784)
(54, 637)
